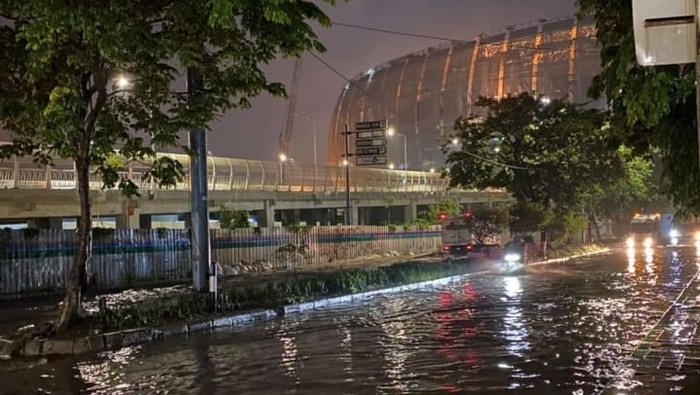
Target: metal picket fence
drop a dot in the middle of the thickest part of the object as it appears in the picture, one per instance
(38, 261)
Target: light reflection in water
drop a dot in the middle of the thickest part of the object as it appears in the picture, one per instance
(649, 260)
(631, 260)
(288, 358)
(346, 347)
(396, 351)
(515, 331)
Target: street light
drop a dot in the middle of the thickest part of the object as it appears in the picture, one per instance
(283, 158)
(391, 132)
(313, 123)
(391, 166)
(122, 82)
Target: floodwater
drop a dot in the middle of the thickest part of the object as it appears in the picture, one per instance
(556, 329)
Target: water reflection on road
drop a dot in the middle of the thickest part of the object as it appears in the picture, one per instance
(554, 329)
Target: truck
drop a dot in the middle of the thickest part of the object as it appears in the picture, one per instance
(660, 229)
(457, 237)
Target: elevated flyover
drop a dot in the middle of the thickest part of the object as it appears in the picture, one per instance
(30, 191)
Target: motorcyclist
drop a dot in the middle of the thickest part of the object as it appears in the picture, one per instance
(517, 246)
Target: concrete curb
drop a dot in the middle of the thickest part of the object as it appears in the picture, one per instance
(131, 337)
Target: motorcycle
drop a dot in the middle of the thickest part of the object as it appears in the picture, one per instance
(512, 263)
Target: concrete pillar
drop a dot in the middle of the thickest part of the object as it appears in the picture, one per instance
(130, 218)
(45, 223)
(296, 215)
(410, 213)
(355, 215)
(267, 216)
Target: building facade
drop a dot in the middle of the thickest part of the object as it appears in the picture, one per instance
(423, 93)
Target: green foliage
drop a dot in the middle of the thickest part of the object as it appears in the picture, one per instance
(654, 107)
(391, 228)
(58, 82)
(81, 79)
(233, 219)
(630, 188)
(487, 223)
(299, 228)
(540, 153)
(566, 228)
(450, 207)
(527, 217)
(275, 294)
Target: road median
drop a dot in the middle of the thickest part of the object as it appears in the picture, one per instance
(162, 318)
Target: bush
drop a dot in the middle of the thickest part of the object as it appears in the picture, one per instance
(275, 294)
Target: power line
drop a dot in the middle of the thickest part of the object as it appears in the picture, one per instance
(398, 115)
(430, 37)
(380, 30)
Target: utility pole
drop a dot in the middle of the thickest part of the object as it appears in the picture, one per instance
(348, 217)
(199, 194)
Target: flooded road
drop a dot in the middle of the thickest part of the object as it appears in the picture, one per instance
(555, 329)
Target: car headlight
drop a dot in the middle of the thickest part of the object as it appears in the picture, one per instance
(674, 233)
(630, 242)
(648, 242)
(512, 257)
(697, 236)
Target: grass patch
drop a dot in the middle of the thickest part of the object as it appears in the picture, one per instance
(273, 294)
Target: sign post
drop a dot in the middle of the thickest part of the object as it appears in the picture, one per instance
(667, 32)
(370, 143)
(370, 150)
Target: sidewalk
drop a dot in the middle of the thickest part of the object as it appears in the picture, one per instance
(672, 348)
(18, 313)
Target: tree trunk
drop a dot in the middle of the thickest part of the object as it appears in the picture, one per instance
(70, 308)
(597, 228)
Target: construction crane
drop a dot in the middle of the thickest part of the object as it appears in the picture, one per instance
(288, 125)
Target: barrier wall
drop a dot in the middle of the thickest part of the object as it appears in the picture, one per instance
(38, 261)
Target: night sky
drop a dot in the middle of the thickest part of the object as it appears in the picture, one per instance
(253, 133)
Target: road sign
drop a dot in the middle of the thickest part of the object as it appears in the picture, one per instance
(370, 125)
(371, 134)
(370, 143)
(371, 160)
(371, 151)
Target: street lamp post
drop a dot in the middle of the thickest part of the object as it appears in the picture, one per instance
(283, 158)
(392, 132)
(313, 126)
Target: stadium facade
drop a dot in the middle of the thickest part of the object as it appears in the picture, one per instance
(423, 93)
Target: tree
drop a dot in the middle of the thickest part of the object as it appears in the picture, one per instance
(233, 219)
(654, 106)
(528, 217)
(487, 223)
(540, 153)
(567, 227)
(448, 207)
(80, 79)
(629, 188)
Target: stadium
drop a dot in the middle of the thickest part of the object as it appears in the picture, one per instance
(423, 93)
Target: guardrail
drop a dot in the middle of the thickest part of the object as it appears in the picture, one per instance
(229, 174)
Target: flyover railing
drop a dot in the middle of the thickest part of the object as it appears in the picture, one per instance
(229, 174)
